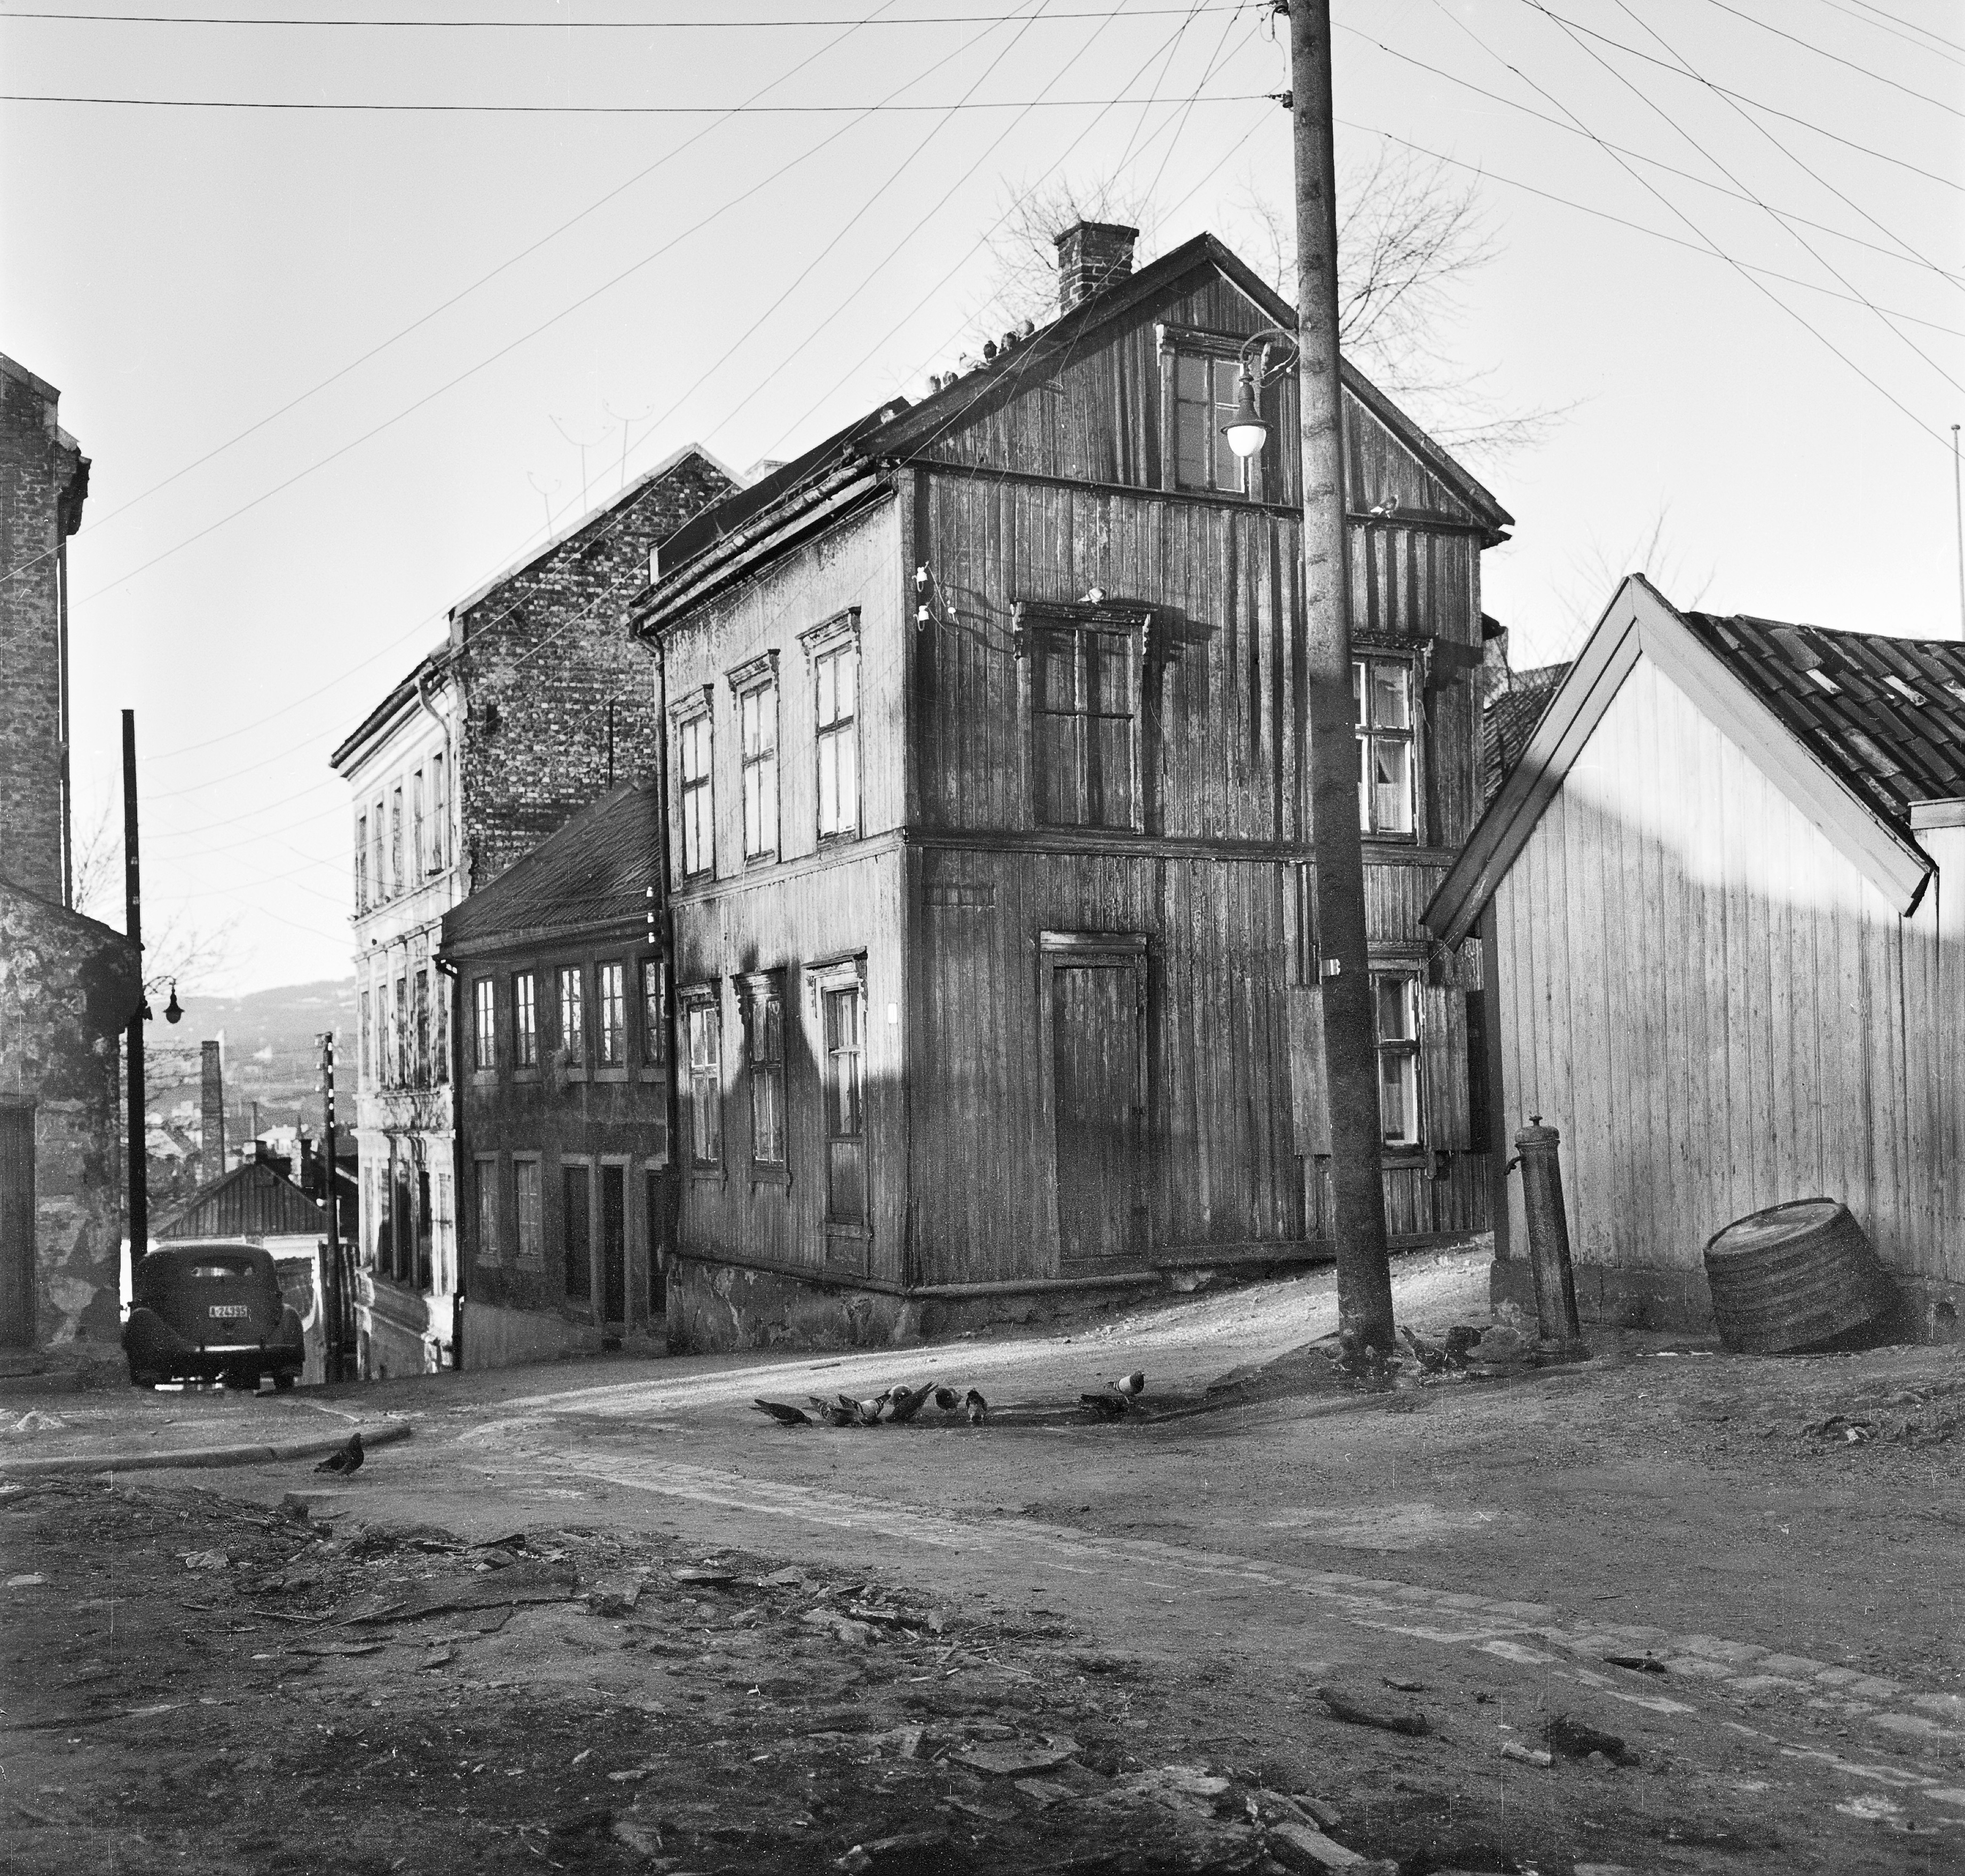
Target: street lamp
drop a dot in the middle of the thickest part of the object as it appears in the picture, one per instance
(1245, 430)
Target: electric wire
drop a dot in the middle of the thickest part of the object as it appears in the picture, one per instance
(588, 26)
(1823, 52)
(1897, 19)
(595, 111)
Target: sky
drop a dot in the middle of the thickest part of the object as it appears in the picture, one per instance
(337, 367)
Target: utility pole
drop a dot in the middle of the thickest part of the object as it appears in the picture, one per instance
(1350, 1037)
(133, 903)
(333, 1305)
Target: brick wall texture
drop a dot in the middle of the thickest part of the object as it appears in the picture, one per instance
(543, 653)
(44, 477)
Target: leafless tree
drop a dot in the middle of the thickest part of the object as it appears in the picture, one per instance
(1598, 568)
(1409, 236)
(177, 948)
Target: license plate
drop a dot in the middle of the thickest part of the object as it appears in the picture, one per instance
(227, 1312)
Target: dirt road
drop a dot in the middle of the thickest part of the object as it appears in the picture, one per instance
(1781, 1597)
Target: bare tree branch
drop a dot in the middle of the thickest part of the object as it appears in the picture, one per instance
(177, 949)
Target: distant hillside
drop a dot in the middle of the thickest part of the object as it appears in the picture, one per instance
(272, 1051)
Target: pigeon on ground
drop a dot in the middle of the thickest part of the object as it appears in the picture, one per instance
(1134, 1383)
(948, 1400)
(904, 1403)
(834, 1415)
(784, 1416)
(978, 1408)
(347, 1460)
(865, 1413)
(1106, 1406)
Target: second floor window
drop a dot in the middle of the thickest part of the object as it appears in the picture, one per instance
(379, 880)
(419, 860)
(698, 841)
(611, 996)
(1085, 691)
(440, 824)
(525, 1021)
(400, 1067)
(365, 1062)
(362, 862)
(422, 1030)
(572, 1015)
(836, 680)
(484, 1021)
(1204, 400)
(654, 1015)
(758, 723)
(1381, 710)
(395, 841)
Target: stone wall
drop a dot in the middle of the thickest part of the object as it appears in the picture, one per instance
(545, 649)
(44, 477)
(68, 986)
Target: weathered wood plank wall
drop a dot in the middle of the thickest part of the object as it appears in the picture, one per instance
(1718, 1012)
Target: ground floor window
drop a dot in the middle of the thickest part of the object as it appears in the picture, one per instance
(704, 1026)
(527, 1210)
(845, 1106)
(484, 1180)
(1395, 1005)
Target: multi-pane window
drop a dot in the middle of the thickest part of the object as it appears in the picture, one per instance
(1084, 692)
(1381, 710)
(418, 862)
(440, 823)
(401, 1067)
(484, 1019)
(654, 1015)
(525, 1020)
(365, 1062)
(440, 1006)
(379, 880)
(706, 1084)
(699, 840)
(836, 680)
(1395, 1005)
(1204, 400)
(527, 1212)
(421, 1076)
(845, 1107)
(757, 726)
(611, 1000)
(395, 841)
(764, 1045)
(484, 1174)
(362, 862)
(572, 1015)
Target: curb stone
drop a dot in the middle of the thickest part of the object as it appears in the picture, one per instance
(386, 1433)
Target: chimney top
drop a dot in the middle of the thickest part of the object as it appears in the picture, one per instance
(1091, 254)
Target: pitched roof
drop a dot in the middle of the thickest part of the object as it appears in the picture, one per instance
(253, 1200)
(900, 425)
(1509, 718)
(1886, 715)
(1852, 762)
(596, 870)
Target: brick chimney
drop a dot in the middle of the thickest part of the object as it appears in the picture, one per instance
(212, 1137)
(1089, 255)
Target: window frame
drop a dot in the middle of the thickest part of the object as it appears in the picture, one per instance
(574, 1052)
(610, 1043)
(695, 792)
(439, 820)
(524, 1026)
(754, 688)
(487, 1198)
(837, 639)
(1222, 353)
(847, 1241)
(574, 1167)
(396, 841)
(362, 862)
(523, 1256)
(1037, 623)
(484, 1025)
(652, 1002)
(758, 996)
(700, 1081)
(1368, 734)
(1408, 1048)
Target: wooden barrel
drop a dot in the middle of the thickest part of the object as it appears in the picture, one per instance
(1795, 1277)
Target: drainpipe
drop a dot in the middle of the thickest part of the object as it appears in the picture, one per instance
(665, 924)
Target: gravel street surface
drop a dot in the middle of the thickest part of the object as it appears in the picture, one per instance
(1666, 1610)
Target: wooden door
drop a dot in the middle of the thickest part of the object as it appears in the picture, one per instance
(1098, 1104)
(614, 1246)
(576, 1223)
(16, 1227)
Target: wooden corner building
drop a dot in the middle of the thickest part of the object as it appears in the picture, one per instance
(1722, 901)
(987, 830)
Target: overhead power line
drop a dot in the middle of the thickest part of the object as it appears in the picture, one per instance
(600, 111)
(1835, 58)
(599, 26)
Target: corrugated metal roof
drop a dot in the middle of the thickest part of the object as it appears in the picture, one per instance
(595, 870)
(1886, 715)
(255, 1200)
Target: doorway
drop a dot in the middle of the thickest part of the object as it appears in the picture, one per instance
(17, 1227)
(1094, 999)
(614, 1246)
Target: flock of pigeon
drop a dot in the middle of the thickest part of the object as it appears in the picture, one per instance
(897, 1406)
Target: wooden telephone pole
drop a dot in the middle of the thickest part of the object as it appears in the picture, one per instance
(133, 903)
(1350, 1036)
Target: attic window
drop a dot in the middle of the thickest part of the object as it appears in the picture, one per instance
(1198, 374)
(1817, 675)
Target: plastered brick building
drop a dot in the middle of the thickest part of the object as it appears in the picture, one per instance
(536, 705)
(67, 985)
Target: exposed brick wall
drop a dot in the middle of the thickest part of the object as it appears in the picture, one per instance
(44, 477)
(67, 987)
(535, 748)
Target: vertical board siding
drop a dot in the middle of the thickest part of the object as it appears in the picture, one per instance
(1718, 1011)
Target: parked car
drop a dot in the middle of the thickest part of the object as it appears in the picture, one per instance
(211, 1311)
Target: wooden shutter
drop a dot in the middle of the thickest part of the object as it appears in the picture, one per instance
(1309, 1096)
(1443, 1049)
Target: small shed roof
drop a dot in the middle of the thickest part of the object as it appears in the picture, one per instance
(594, 871)
(254, 1200)
(1509, 718)
(1853, 727)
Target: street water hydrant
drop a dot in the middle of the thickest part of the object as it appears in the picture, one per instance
(1561, 1332)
